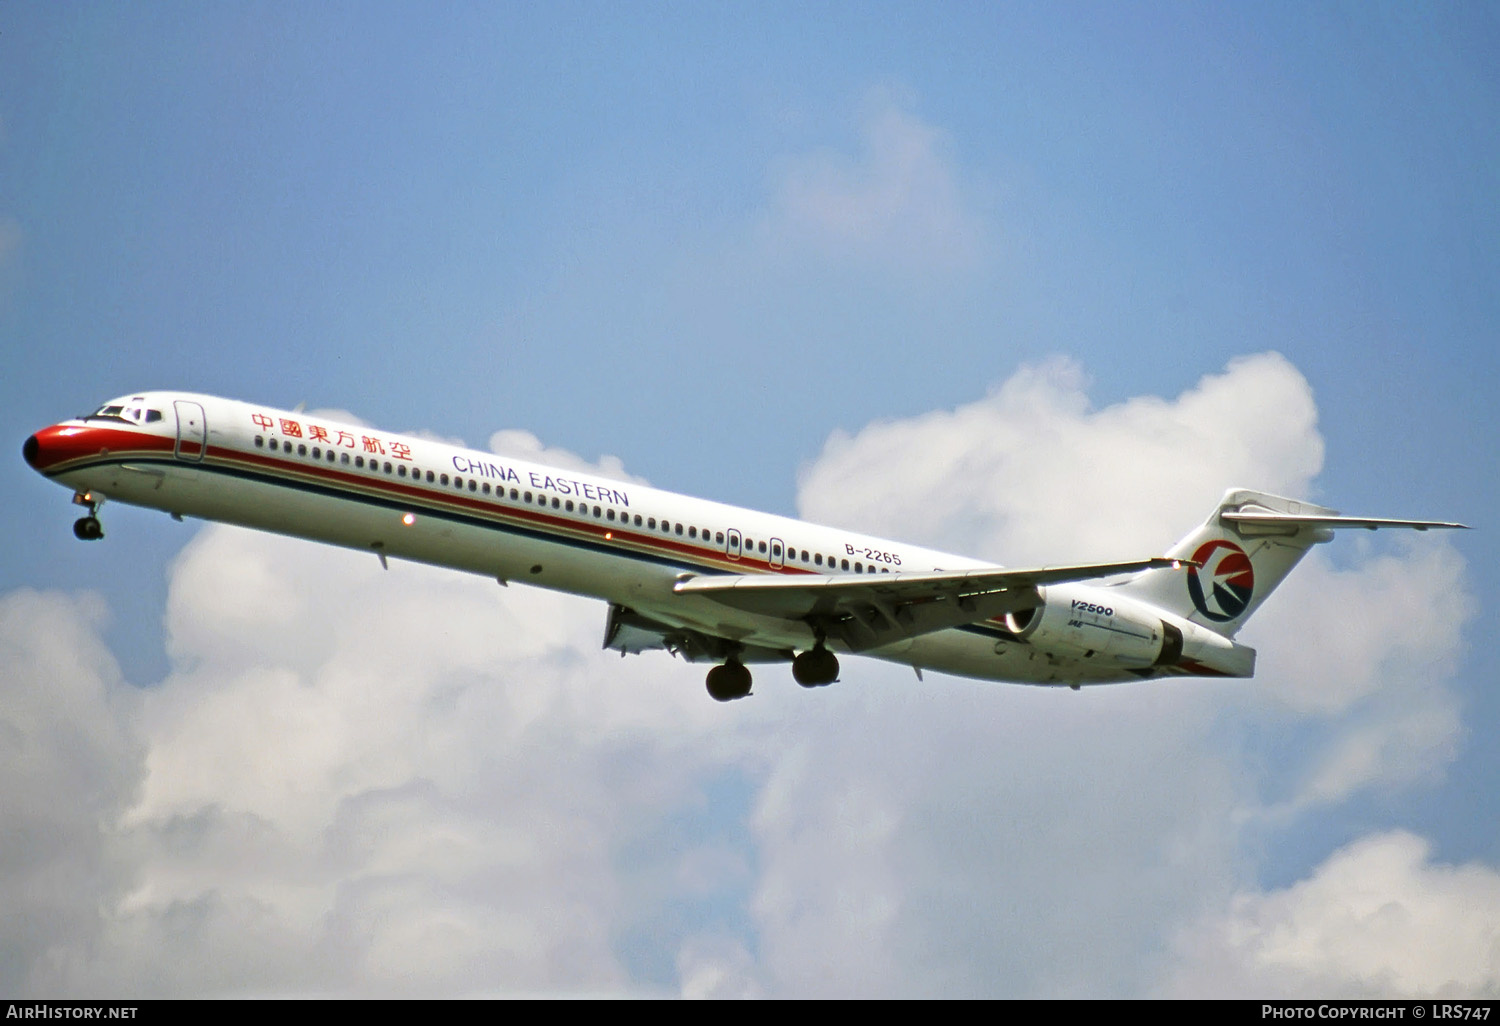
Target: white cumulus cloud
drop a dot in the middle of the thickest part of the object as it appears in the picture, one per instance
(1034, 472)
(72, 763)
(1378, 919)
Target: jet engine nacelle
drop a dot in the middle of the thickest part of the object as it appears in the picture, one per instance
(1104, 627)
(1076, 622)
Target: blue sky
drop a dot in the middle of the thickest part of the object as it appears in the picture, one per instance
(707, 240)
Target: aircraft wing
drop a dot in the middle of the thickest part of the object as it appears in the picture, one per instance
(871, 610)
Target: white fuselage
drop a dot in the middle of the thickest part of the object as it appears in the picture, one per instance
(404, 497)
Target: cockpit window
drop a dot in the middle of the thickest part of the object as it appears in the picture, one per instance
(132, 411)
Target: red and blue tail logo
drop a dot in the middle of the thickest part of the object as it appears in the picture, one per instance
(1229, 580)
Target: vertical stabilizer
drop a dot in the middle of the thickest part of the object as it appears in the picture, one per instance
(1242, 551)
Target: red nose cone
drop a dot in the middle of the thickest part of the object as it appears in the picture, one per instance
(60, 443)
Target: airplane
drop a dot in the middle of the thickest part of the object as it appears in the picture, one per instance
(699, 579)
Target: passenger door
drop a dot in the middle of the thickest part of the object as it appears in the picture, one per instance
(192, 431)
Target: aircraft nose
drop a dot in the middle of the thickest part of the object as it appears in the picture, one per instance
(57, 444)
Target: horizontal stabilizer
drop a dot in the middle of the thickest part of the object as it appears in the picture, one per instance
(1268, 518)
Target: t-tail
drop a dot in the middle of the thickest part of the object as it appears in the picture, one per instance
(1241, 553)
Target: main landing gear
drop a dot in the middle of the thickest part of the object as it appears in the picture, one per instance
(729, 681)
(88, 528)
(816, 667)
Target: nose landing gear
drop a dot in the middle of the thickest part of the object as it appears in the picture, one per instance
(88, 528)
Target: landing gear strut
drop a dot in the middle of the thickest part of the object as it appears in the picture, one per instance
(816, 667)
(88, 528)
(729, 681)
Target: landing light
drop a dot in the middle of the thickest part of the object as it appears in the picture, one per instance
(609, 535)
(408, 519)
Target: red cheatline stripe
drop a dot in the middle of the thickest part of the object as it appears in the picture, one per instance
(557, 523)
